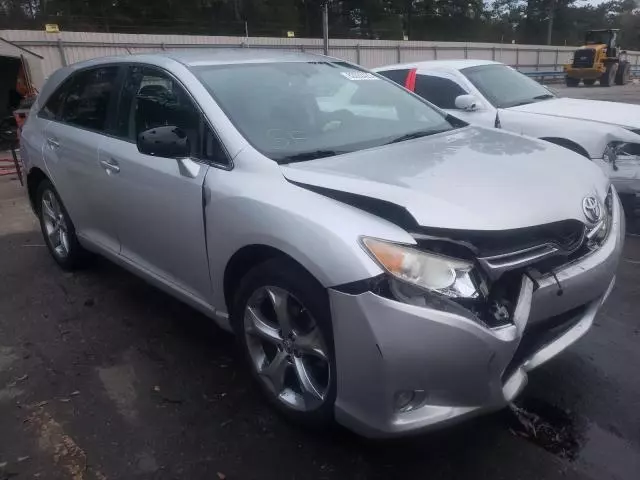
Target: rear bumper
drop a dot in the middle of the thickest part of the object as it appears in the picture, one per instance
(456, 367)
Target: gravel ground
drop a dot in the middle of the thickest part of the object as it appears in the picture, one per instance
(629, 93)
(104, 377)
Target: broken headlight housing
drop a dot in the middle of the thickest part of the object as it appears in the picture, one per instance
(433, 280)
(599, 233)
(446, 276)
(616, 152)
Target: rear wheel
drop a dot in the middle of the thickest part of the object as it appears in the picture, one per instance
(624, 73)
(282, 318)
(57, 228)
(571, 82)
(589, 81)
(609, 75)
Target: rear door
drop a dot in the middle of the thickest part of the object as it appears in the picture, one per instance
(79, 111)
(159, 201)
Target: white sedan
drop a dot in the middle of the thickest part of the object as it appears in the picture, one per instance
(493, 94)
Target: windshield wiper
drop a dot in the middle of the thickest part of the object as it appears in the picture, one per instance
(544, 96)
(519, 104)
(311, 155)
(412, 135)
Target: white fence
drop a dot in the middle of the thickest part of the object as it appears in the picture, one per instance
(65, 48)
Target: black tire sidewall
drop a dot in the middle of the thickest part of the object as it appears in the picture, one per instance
(76, 254)
(609, 76)
(621, 74)
(571, 82)
(284, 273)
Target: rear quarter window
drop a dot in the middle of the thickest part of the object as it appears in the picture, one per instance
(53, 106)
(398, 76)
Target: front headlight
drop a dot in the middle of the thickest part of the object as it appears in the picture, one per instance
(598, 234)
(621, 152)
(610, 154)
(447, 276)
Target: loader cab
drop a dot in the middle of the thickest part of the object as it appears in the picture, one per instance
(609, 38)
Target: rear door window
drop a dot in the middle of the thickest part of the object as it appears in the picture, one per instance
(88, 97)
(438, 90)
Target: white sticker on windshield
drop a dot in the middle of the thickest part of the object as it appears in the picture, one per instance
(356, 76)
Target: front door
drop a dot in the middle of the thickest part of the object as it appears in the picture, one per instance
(159, 201)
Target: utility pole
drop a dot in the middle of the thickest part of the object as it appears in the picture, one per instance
(325, 26)
(552, 12)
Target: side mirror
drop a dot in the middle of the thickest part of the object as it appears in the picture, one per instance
(468, 103)
(166, 141)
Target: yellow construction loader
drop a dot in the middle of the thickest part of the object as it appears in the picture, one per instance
(599, 59)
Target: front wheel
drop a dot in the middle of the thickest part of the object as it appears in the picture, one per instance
(57, 228)
(589, 81)
(624, 73)
(609, 75)
(571, 82)
(282, 318)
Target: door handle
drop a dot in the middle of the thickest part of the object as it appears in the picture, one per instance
(111, 166)
(53, 143)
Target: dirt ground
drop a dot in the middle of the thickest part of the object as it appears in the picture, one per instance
(104, 377)
(629, 93)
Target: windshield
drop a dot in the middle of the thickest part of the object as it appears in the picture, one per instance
(295, 111)
(505, 87)
(597, 37)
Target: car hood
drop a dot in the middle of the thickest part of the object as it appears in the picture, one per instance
(471, 178)
(622, 114)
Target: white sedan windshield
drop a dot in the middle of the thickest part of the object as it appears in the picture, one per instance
(294, 111)
(505, 87)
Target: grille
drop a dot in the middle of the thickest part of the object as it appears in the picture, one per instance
(565, 236)
(505, 250)
(583, 58)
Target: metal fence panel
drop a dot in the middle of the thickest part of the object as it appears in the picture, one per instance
(70, 47)
(418, 54)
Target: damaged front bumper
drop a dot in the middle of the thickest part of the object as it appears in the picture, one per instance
(625, 176)
(405, 369)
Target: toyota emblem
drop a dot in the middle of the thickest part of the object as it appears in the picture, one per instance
(592, 209)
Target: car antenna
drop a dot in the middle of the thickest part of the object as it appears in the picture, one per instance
(497, 124)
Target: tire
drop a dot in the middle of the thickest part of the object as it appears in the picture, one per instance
(589, 81)
(306, 304)
(64, 246)
(571, 82)
(609, 76)
(623, 75)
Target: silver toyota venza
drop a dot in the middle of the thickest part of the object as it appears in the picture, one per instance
(381, 262)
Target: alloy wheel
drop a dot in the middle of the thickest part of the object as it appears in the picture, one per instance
(55, 224)
(287, 348)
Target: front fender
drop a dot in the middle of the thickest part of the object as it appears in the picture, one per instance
(593, 137)
(320, 233)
